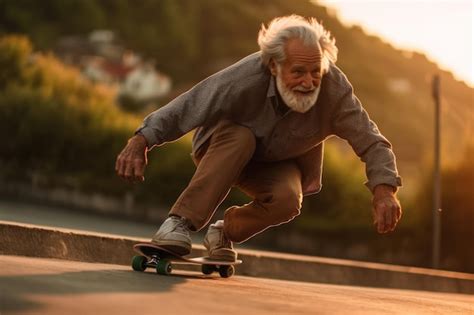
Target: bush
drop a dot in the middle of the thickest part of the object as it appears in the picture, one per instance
(15, 52)
(56, 124)
(457, 217)
(344, 202)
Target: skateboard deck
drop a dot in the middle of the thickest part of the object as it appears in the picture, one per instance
(162, 260)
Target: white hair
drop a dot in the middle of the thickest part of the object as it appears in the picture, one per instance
(272, 39)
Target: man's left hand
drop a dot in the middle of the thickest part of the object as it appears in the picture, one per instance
(386, 208)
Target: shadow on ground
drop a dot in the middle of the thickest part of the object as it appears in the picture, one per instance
(15, 290)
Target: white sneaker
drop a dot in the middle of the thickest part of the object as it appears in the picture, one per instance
(174, 236)
(217, 245)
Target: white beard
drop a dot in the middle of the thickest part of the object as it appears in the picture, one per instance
(298, 103)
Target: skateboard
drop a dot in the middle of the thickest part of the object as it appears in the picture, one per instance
(162, 260)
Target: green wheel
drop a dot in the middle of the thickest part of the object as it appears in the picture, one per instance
(163, 267)
(139, 263)
(208, 269)
(226, 271)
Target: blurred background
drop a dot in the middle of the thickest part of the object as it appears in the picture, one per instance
(78, 76)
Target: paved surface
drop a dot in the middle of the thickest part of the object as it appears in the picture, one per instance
(49, 286)
(72, 219)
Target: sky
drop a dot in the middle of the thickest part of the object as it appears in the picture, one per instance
(441, 29)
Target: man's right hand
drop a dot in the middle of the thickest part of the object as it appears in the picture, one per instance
(131, 162)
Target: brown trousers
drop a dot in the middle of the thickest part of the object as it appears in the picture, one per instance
(226, 161)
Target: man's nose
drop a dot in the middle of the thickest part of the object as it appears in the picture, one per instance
(309, 82)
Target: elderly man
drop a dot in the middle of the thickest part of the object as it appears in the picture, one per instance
(261, 124)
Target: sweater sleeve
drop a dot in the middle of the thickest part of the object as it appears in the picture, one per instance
(204, 104)
(351, 122)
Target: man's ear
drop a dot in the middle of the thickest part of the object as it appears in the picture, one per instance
(273, 67)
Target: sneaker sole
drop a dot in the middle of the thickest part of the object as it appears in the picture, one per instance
(226, 256)
(179, 248)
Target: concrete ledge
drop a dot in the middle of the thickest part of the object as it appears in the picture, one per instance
(38, 241)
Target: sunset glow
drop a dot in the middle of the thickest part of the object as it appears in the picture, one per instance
(443, 30)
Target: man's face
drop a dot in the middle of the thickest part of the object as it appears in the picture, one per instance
(299, 75)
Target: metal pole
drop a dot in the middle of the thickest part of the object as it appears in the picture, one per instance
(436, 251)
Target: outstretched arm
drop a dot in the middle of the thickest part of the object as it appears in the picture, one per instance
(203, 104)
(352, 123)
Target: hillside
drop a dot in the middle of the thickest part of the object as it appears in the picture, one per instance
(192, 39)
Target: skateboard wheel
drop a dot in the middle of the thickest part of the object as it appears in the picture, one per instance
(226, 271)
(163, 267)
(139, 263)
(208, 269)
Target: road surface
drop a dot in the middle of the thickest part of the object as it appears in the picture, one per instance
(48, 286)
(63, 217)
